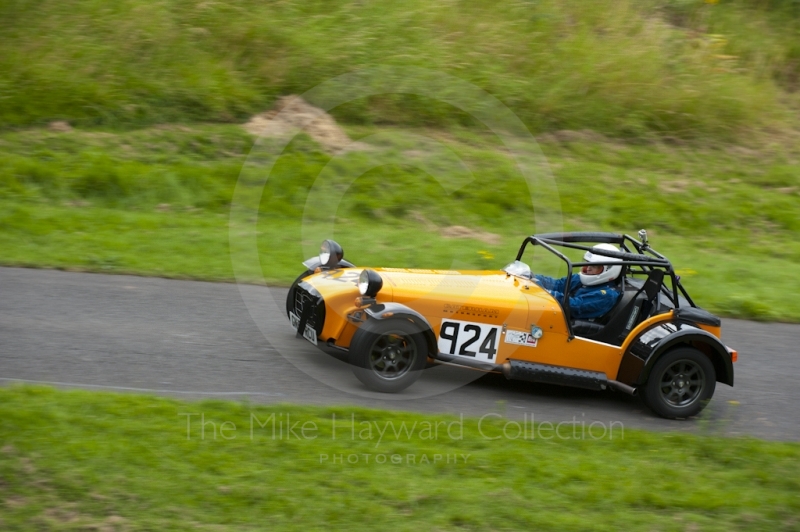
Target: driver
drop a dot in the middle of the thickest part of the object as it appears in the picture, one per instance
(592, 292)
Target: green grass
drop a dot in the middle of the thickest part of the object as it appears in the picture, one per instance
(628, 68)
(86, 460)
(157, 202)
(674, 79)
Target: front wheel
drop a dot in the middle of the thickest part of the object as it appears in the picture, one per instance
(681, 383)
(388, 355)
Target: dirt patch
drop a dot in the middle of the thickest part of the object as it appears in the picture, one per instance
(568, 135)
(77, 203)
(66, 515)
(742, 151)
(27, 465)
(15, 501)
(459, 231)
(420, 218)
(292, 113)
(456, 231)
(674, 187)
(61, 515)
(172, 127)
(59, 126)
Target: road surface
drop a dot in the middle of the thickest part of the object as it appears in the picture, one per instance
(198, 340)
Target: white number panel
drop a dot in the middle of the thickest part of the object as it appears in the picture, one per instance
(468, 339)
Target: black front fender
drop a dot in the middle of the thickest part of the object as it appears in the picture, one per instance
(384, 311)
(313, 263)
(645, 350)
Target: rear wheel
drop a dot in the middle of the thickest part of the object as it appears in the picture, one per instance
(388, 355)
(681, 383)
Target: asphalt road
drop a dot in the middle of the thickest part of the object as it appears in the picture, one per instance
(199, 340)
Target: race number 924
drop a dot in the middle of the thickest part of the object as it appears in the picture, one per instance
(468, 339)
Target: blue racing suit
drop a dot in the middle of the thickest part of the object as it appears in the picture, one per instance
(585, 302)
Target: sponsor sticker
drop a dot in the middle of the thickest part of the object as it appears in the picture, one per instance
(520, 338)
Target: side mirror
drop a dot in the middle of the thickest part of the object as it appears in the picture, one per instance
(643, 237)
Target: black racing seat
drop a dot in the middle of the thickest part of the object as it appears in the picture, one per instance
(633, 306)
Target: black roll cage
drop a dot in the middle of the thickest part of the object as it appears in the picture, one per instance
(645, 258)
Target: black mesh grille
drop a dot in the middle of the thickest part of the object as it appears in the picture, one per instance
(303, 298)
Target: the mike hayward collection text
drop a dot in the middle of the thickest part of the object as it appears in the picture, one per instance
(490, 426)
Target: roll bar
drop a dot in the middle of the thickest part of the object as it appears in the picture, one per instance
(645, 257)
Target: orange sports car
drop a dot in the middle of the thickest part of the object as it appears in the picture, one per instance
(393, 322)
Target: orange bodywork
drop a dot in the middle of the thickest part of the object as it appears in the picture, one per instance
(499, 308)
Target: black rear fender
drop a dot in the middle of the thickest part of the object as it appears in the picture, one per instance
(647, 348)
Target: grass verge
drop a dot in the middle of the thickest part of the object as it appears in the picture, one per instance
(158, 202)
(631, 69)
(72, 460)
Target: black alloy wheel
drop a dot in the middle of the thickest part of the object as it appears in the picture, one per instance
(391, 355)
(388, 355)
(680, 384)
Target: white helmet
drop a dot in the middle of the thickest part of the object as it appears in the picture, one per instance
(609, 272)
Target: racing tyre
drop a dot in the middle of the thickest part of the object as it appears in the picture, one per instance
(388, 355)
(290, 295)
(681, 383)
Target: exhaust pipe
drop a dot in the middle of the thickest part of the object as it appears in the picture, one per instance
(622, 387)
